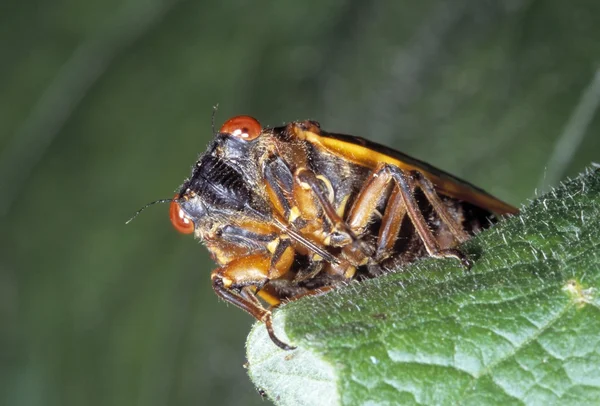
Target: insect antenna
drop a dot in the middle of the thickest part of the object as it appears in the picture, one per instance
(212, 118)
(146, 206)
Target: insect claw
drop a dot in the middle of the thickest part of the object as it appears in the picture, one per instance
(466, 262)
(268, 320)
(453, 253)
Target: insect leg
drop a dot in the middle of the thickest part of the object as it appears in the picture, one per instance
(282, 257)
(356, 252)
(428, 189)
(365, 204)
(364, 210)
(308, 181)
(395, 210)
(279, 184)
(364, 207)
(231, 282)
(295, 205)
(249, 306)
(407, 185)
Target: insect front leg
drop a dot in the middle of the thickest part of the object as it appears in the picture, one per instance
(237, 281)
(279, 184)
(309, 184)
(300, 196)
(356, 252)
(300, 200)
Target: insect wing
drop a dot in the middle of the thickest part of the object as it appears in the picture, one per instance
(367, 153)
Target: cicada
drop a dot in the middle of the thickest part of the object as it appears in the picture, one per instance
(293, 210)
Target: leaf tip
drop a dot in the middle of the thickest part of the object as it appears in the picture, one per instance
(298, 377)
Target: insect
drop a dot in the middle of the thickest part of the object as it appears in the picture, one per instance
(294, 210)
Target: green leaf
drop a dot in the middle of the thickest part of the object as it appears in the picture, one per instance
(521, 327)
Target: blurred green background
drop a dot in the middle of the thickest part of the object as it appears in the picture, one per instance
(104, 106)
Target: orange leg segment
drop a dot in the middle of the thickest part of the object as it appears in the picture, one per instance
(390, 224)
(368, 198)
(309, 182)
(429, 190)
(356, 251)
(236, 282)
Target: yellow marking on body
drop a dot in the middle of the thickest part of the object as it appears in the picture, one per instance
(294, 214)
(304, 185)
(226, 282)
(327, 182)
(327, 240)
(274, 198)
(350, 272)
(269, 298)
(317, 257)
(221, 256)
(272, 246)
(369, 158)
(342, 209)
(283, 264)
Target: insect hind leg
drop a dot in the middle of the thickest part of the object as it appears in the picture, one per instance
(438, 206)
(407, 185)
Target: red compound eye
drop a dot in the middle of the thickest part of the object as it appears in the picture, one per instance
(244, 127)
(179, 220)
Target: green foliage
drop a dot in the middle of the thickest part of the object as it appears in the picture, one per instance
(521, 327)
